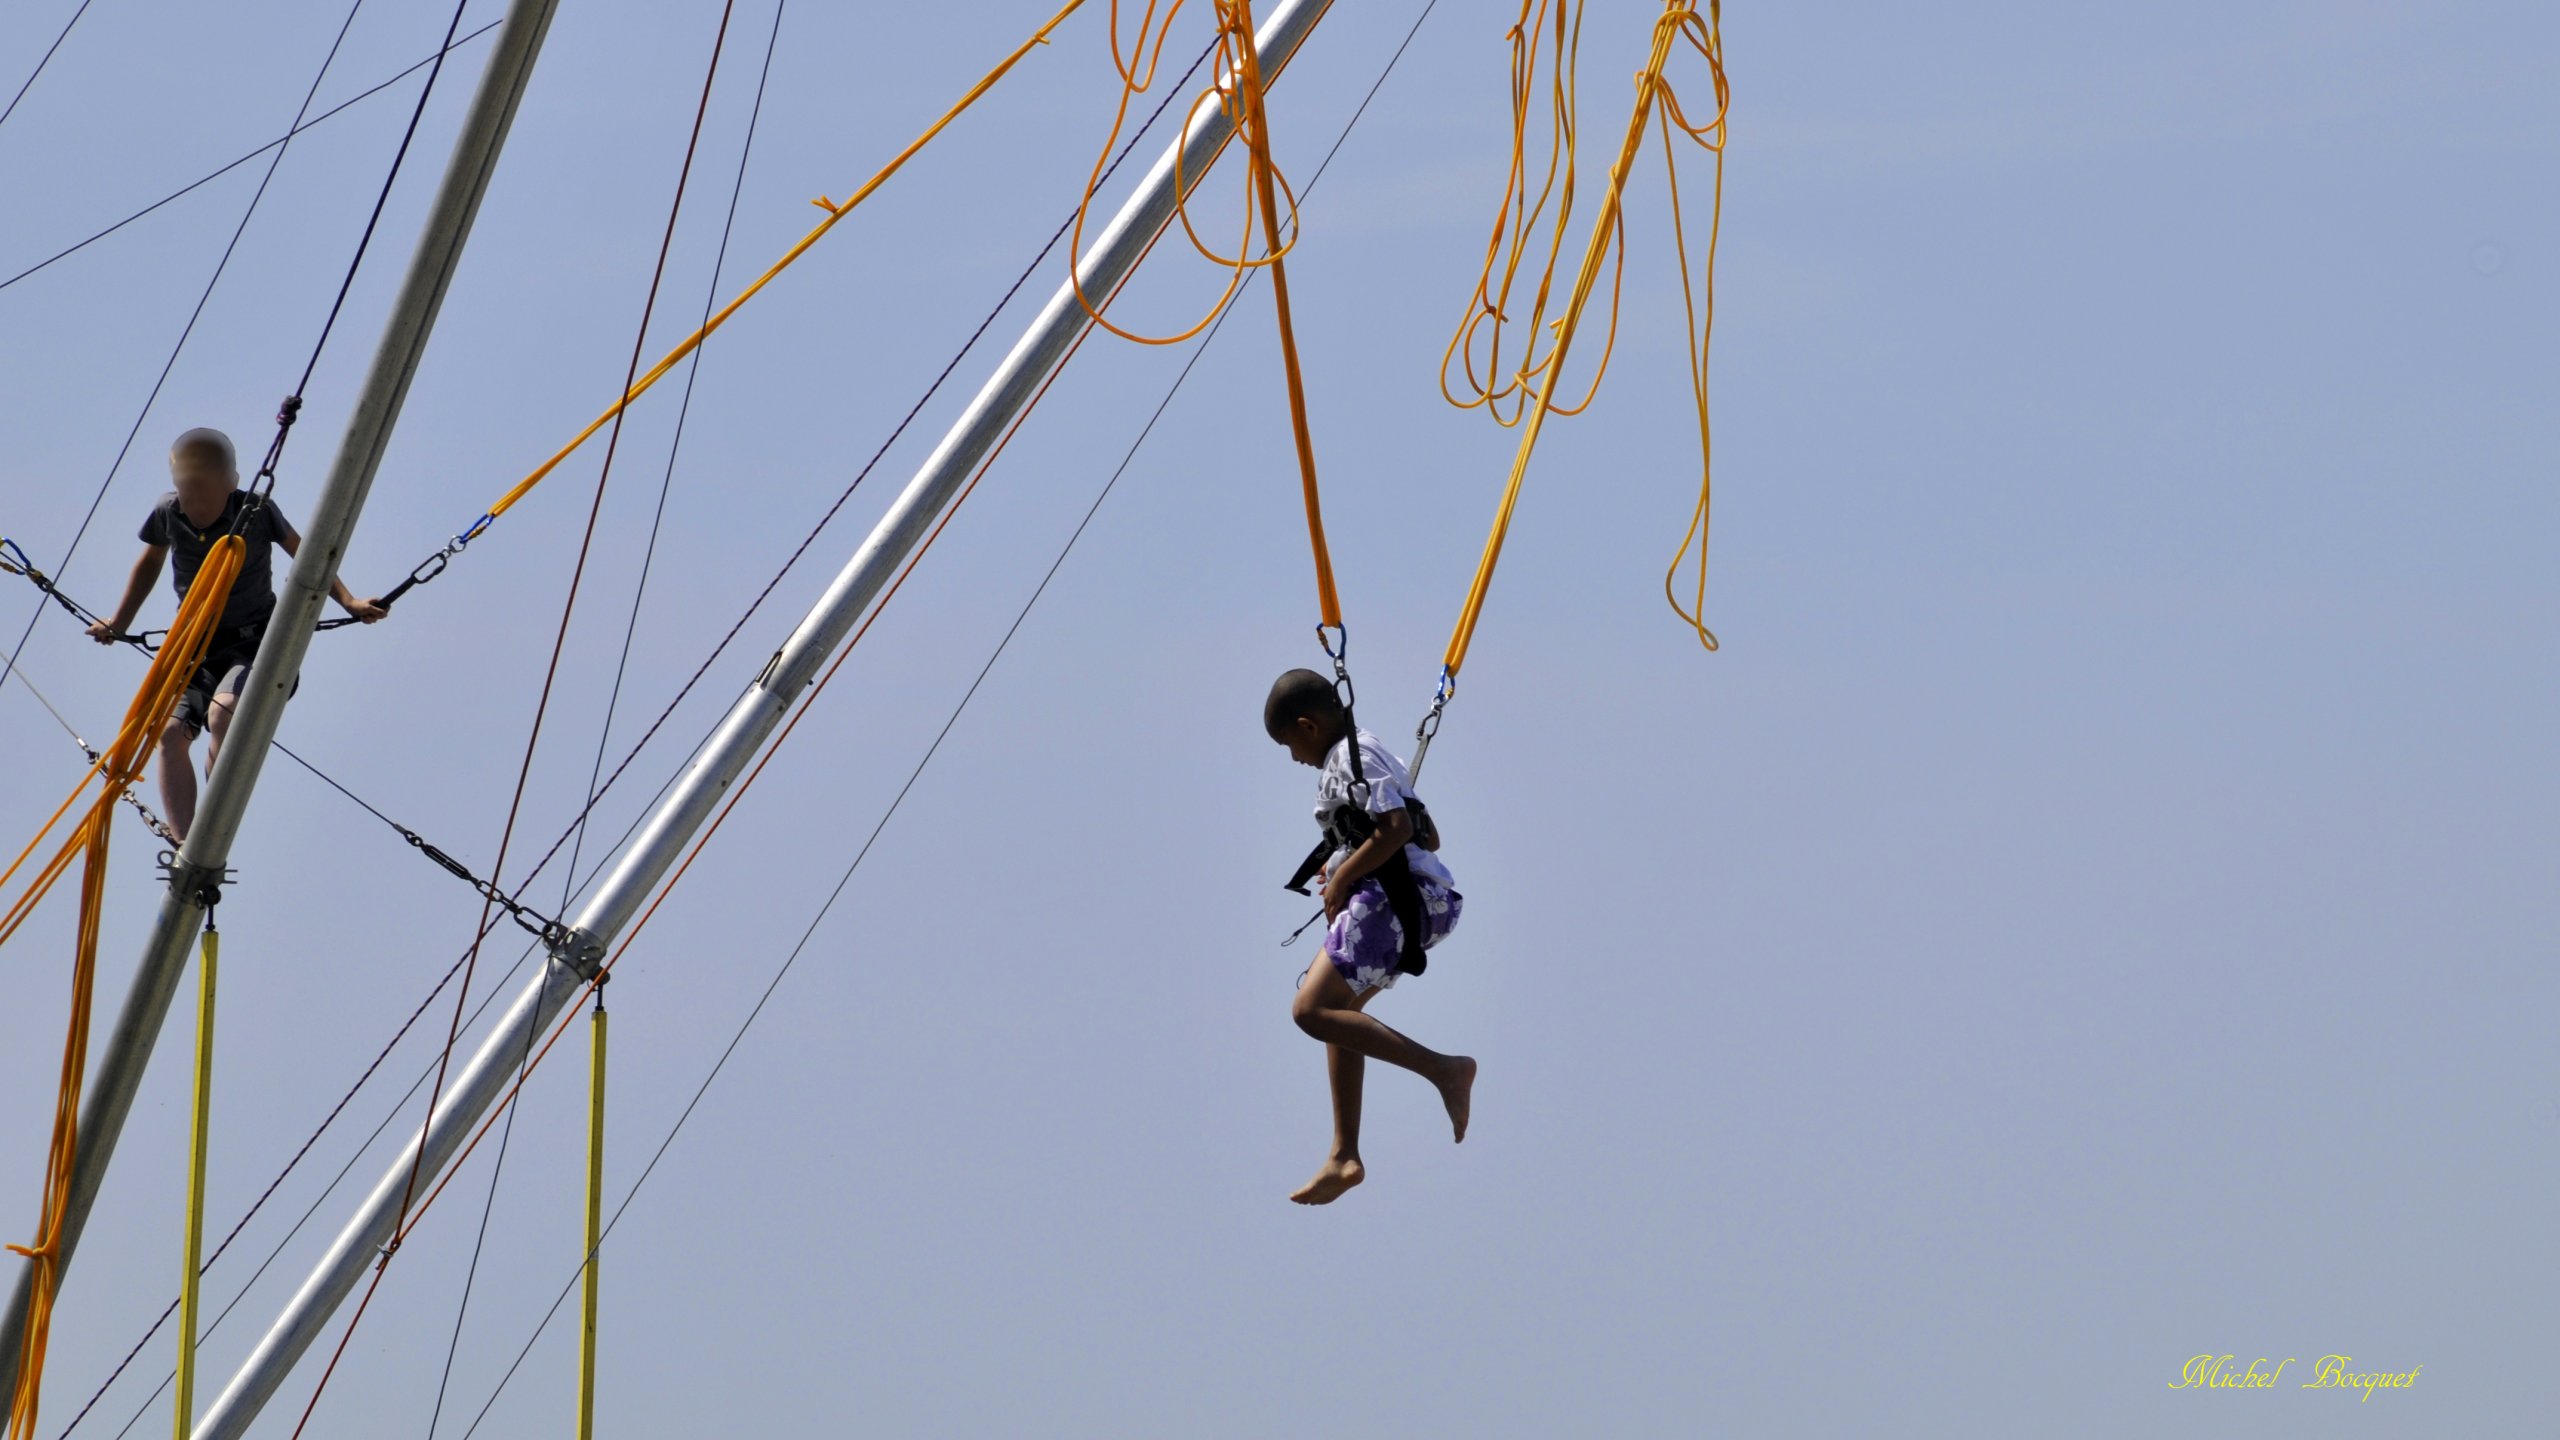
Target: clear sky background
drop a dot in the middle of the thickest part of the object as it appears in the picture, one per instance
(2096, 910)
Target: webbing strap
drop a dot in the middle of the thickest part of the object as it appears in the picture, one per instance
(1254, 125)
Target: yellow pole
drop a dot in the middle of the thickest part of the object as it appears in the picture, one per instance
(1666, 31)
(595, 1222)
(187, 1286)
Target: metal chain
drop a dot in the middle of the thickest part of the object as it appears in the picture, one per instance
(550, 932)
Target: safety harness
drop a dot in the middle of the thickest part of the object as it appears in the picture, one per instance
(1347, 826)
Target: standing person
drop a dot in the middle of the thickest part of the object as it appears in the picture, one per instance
(205, 505)
(1381, 862)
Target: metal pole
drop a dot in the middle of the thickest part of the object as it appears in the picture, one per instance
(200, 861)
(475, 1085)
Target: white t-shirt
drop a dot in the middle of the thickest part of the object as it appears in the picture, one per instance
(1389, 788)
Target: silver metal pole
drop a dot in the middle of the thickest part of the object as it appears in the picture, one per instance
(332, 520)
(476, 1085)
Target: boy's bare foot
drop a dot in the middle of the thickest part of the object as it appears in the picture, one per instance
(1456, 1088)
(1335, 1177)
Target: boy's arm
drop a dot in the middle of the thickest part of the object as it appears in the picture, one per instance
(1394, 832)
(137, 588)
(289, 540)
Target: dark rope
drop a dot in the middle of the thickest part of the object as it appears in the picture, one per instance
(263, 483)
(43, 61)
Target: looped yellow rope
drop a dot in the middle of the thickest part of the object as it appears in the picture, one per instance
(190, 635)
(1553, 30)
(1532, 384)
(1238, 89)
(1236, 60)
(1708, 39)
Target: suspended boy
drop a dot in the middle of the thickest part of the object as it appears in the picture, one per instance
(205, 505)
(1387, 899)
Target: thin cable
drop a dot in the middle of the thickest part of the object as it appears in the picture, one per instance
(47, 59)
(931, 750)
(675, 445)
(488, 1207)
(190, 329)
(207, 179)
(150, 819)
(551, 674)
(613, 698)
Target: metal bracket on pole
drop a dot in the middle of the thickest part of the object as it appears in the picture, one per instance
(581, 950)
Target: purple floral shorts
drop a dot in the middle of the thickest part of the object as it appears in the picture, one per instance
(1366, 940)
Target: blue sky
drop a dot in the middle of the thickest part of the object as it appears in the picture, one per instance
(2095, 910)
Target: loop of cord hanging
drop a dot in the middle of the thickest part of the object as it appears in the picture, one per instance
(1679, 22)
(1551, 29)
(1237, 91)
(190, 635)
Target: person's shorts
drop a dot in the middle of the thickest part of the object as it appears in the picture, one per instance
(1366, 940)
(224, 671)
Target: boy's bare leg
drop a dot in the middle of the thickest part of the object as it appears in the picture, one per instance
(217, 725)
(1327, 1010)
(177, 776)
(1344, 1070)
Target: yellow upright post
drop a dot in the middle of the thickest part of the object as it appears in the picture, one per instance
(595, 1222)
(187, 1285)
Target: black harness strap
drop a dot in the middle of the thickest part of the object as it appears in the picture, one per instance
(1347, 827)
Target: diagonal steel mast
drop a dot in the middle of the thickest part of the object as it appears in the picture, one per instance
(476, 1085)
(200, 863)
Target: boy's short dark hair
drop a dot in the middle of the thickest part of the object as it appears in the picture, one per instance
(1299, 695)
(206, 438)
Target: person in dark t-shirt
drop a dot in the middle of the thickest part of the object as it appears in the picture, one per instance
(180, 531)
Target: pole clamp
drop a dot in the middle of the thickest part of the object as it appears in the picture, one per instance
(199, 883)
(581, 950)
